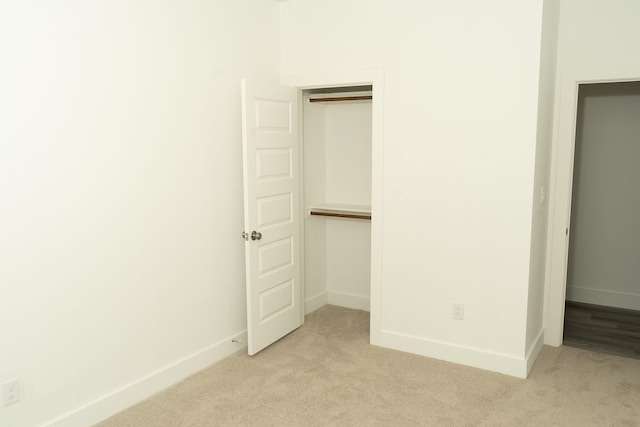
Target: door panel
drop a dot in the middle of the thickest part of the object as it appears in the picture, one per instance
(275, 210)
(276, 299)
(271, 194)
(275, 256)
(273, 164)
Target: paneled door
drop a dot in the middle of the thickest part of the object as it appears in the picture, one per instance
(271, 212)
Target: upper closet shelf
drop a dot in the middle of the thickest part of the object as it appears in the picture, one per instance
(340, 210)
(361, 93)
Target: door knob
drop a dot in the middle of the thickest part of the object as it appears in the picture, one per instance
(245, 235)
(256, 235)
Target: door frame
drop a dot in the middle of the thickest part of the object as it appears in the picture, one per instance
(374, 77)
(561, 183)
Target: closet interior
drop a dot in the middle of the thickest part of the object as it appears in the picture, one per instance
(337, 125)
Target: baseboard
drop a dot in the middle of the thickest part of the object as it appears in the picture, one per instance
(135, 392)
(476, 358)
(534, 351)
(314, 303)
(350, 301)
(600, 297)
(337, 298)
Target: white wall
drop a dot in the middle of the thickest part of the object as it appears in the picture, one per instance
(348, 176)
(348, 153)
(594, 33)
(605, 239)
(315, 190)
(535, 318)
(460, 124)
(121, 195)
(349, 263)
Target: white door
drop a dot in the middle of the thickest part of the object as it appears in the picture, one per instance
(271, 212)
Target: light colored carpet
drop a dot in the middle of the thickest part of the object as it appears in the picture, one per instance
(326, 373)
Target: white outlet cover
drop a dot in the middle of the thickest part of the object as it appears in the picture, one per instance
(11, 392)
(458, 311)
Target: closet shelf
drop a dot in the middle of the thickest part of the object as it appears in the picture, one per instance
(342, 98)
(340, 210)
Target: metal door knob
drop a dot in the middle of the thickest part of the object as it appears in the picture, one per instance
(256, 235)
(245, 235)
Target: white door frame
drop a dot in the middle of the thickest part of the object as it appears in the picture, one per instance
(373, 77)
(561, 182)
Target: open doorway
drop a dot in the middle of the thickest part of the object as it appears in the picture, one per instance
(357, 78)
(337, 196)
(561, 181)
(602, 311)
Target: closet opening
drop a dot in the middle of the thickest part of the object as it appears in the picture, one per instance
(336, 196)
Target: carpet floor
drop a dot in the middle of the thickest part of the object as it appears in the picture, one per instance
(326, 374)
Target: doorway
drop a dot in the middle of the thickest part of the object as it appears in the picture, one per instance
(602, 311)
(336, 191)
(374, 78)
(561, 187)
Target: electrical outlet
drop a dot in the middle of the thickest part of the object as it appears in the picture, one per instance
(11, 391)
(458, 311)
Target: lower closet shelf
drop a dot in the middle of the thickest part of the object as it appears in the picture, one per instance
(339, 210)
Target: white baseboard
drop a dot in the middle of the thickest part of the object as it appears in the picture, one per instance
(601, 297)
(534, 351)
(350, 301)
(314, 303)
(477, 358)
(135, 392)
(337, 298)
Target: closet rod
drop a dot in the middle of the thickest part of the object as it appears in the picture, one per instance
(342, 98)
(341, 215)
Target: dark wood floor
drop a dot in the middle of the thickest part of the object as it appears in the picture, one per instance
(603, 329)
